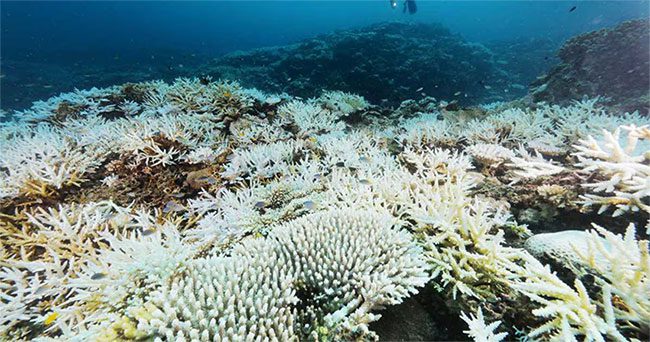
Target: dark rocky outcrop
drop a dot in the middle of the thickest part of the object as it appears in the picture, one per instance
(387, 62)
(613, 63)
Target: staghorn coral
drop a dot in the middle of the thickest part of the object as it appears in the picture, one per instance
(621, 267)
(62, 258)
(479, 330)
(625, 175)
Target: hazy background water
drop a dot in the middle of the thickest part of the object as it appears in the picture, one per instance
(50, 47)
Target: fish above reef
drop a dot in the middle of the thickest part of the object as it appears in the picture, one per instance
(98, 276)
(310, 205)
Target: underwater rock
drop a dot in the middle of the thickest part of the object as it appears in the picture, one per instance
(611, 62)
(386, 63)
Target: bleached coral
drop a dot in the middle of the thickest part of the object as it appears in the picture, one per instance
(564, 247)
(490, 154)
(622, 263)
(624, 171)
(311, 118)
(42, 161)
(569, 311)
(526, 166)
(621, 267)
(481, 331)
(428, 130)
(263, 161)
(357, 260)
(342, 102)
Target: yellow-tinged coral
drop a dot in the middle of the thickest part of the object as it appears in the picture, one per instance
(323, 216)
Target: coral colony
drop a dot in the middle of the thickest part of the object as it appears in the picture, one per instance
(199, 210)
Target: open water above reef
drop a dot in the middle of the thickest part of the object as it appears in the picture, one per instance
(52, 47)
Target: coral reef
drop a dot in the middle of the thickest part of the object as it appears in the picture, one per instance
(388, 62)
(201, 210)
(612, 62)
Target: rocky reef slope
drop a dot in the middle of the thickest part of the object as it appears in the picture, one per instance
(388, 62)
(613, 62)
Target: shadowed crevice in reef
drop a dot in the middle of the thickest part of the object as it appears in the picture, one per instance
(422, 317)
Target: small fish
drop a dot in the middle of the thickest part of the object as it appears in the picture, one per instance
(573, 9)
(419, 89)
(148, 232)
(364, 159)
(364, 181)
(309, 205)
(172, 206)
(98, 276)
(317, 176)
(423, 94)
(178, 195)
(260, 205)
(47, 86)
(49, 319)
(340, 164)
(487, 87)
(457, 93)
(207, 179)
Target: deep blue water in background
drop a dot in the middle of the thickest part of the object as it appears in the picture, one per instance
(42, 41)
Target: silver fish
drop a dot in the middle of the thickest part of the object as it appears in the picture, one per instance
(98, 276)
(309, 205)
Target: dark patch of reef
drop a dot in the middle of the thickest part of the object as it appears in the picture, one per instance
(386, 63)
(612, 62)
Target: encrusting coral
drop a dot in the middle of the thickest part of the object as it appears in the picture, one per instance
(201, 210)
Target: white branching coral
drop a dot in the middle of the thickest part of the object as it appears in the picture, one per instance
(569, 310)
(225, 299)
(481, 331)
(490, 154)
(526, 166)
(317, 215)
(263, 161)
(347, 262)
(44, 160)
(621, 267)
(622, 263)
(623, 173)
(88, 270)
(310, 117)
(428, 130)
